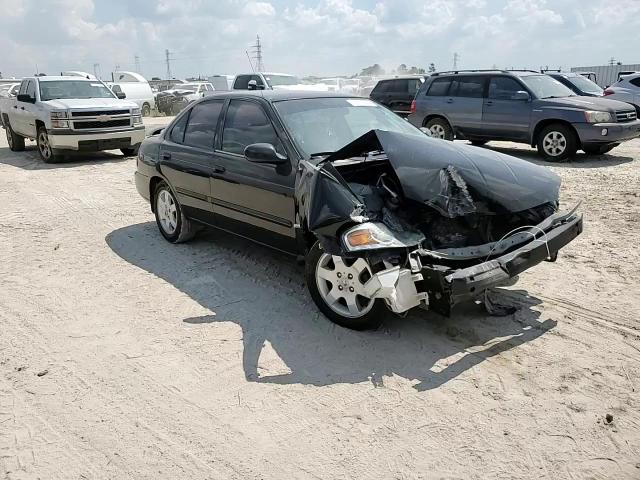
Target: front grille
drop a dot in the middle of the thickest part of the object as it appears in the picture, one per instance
(99, 112)
(96, 124)
(626, 116)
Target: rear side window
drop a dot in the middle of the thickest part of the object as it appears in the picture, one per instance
(635, 81)
(413, 85)
(381, 87)
(242, 82)
(467, 87)
(439, 87)
(503, 88)
(247, 123)
(202, 125)
(177, 132)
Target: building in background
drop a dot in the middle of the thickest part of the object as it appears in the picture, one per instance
(608, 74)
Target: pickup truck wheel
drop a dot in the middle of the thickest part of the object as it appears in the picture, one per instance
(336, 286)
(146, 110)
(557, 143)
(47, 154)
(130, 152)
(173, 225)
(15, 141)
(440, 128)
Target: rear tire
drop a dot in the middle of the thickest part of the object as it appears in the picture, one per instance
(440, 128)
(171, 221)
(557, 143)
(15, 141)
(46, 152)
(367, 314)
(146, 110)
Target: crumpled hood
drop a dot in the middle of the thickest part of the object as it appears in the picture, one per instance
(458, 179)
(585, 103)
(89, 103)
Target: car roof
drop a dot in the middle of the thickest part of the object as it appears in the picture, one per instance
(517, 73)
(52, 78)
(278, 95)
(402, 77)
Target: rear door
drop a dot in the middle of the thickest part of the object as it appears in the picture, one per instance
(16, 112)
(464, 103)
(250, 199)
(502, 115)
(187, 158)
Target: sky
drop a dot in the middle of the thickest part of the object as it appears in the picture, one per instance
(312, 37)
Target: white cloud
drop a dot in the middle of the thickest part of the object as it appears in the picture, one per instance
(259, 9)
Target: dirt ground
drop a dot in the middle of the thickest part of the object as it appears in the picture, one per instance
(122, 356)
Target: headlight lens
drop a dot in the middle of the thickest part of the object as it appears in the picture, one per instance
(137, 120)
(370, 236)
(598, 117)
(57, 115)
(136, 111)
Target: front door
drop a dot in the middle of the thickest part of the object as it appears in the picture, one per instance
(187, 158)
(251, 199)
(502, 115)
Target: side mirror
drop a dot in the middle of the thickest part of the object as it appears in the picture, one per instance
(522, 96)
(26, 98)
(263, 153)
(121, 95)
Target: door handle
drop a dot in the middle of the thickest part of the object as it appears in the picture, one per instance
(489, 103)
(166, 156)
(450, 100)
(219, 169)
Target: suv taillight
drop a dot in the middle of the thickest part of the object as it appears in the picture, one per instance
(413, 106)
(607, 92)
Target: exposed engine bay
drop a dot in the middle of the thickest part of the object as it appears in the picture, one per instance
(442, 223)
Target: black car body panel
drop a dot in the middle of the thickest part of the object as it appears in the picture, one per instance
(452, 206)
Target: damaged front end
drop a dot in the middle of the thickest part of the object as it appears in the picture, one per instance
(439, 223)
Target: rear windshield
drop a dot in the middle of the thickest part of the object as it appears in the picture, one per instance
(54, 90)
(586, 85)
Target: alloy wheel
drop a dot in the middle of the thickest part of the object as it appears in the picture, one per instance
(437, 131)
(341, 285)
(167, 211)
(554, 144)
(43, 145)
(9, 136)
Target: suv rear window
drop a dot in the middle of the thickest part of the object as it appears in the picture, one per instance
(439, 87)
(635, 81)
(468, 87)
(382, 87)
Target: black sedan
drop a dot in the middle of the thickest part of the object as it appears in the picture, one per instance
(386, 217)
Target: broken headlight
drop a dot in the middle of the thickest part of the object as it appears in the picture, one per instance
(598, 117)
(371, 235)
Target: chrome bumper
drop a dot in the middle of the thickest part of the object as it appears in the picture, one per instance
(97, 141)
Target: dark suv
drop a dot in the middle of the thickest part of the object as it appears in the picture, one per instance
(521, 106)
(397, 93)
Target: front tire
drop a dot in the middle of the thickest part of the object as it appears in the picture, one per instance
(130, 152)
(173, 225)
(46, 152)
(335, 285)
(15, 141)
(440, 128)
(557, 143)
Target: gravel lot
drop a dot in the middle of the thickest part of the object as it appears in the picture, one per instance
(122, 356)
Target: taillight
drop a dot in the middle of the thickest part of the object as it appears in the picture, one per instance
(413, 107)
(607, 92)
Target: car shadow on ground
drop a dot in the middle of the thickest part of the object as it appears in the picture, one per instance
(30, 160)
(581, 160)
(263, 292)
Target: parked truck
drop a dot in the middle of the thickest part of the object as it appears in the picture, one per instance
(70, 113)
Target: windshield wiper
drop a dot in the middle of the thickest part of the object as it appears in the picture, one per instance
(320, 154)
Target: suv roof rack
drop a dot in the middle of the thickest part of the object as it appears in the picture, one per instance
(481, 70)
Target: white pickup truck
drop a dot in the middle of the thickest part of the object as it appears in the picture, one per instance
(70, 113)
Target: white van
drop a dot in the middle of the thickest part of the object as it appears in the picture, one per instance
(136, 88)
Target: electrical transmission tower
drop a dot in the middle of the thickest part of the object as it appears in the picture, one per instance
(137, 62)
(456, 58)
(256, 50)
(167, 56)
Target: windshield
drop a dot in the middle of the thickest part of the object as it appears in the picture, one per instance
(324, 125)
(276, 80)
(586, 85)
(55, 90)
(188, 86)
(543, 86)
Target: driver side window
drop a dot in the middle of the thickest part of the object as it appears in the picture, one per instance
(247, 123)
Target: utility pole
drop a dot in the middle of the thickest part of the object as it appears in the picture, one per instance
(456, 58)
(96, 67)
(612, 61)
(168, 61)
(257, 54)
(136, 59)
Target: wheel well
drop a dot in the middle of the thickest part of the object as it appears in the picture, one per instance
(153, 183)
(431, 117)
(545, 123)
(39, 123)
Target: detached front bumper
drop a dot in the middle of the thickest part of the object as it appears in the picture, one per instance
(441, 287)
(96, 141)
(596, 133)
